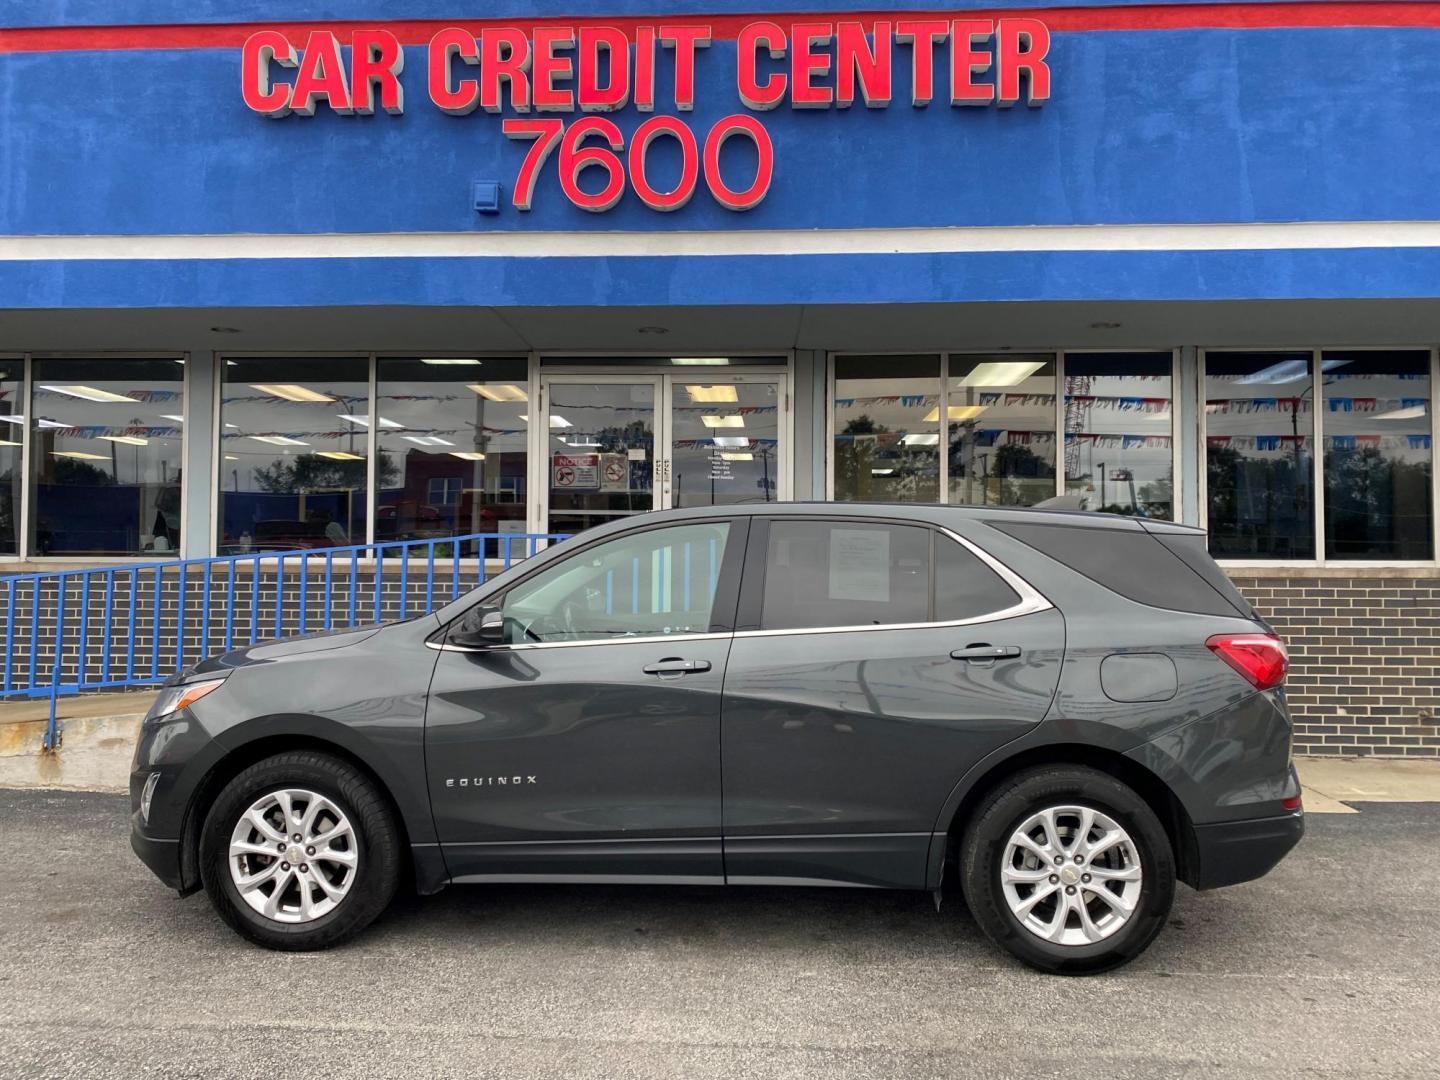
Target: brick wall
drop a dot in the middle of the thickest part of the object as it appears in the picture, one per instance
(1364, 658)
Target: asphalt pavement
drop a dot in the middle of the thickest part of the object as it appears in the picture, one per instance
(1328, 967)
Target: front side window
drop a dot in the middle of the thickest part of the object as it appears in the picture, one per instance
(648, 584)
(105, 449)
(1259, 437)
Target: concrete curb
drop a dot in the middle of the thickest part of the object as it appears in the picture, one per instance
(94, 754)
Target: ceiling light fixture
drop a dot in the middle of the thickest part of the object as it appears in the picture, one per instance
(701, 361)
(723, 421)
(467, 455)
(1002, 372)
(955, 412)
(364, 421)
(920, 438)
(172, 416)
(90, 393)
(451, 361)
(712, 393)
(291, 392)
(730, 441)
(427, 440)
(338, 455)
(730, 455)
(500, 391)
(278, 440)
(80, 454)
(1410, 412)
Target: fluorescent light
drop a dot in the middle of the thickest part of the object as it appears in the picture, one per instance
(338, 455)
(50, 424)
(1412, 412)
(231, 457)
(955, 412)
(12, 418)
(500, 391)
(467, 455)
(882, 472)
(700, 361)
(920, 439)
(451, 361)
(277, 440)
(128, 440)
(364, 421)
(556, 421)
(7, 442)
(291, 392)
(733, 456)
(81, 454)
(172, 416)
(1002, 372)
(730, 440)
(89, 393)
(723, 421)
(427, 440)
(712, 393)
(578, 442)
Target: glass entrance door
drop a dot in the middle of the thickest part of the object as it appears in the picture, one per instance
(600, 455)
(619, 445)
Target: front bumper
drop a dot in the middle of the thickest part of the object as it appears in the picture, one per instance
(1236, 851)
(161, 856)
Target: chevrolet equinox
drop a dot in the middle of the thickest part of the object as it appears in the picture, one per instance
(1062, 713)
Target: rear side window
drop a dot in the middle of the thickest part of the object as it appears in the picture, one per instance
(844, 573)
(1189, 548)
(1130, 562)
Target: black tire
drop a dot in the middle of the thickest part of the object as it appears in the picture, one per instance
(377, 837)
(1002, 812)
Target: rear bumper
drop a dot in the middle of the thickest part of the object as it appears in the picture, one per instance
(161, 856)
(1236, 851)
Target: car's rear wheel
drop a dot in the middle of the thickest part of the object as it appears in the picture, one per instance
(1068, 868)
(300, 851)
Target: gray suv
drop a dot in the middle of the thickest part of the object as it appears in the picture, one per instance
(1060, 713)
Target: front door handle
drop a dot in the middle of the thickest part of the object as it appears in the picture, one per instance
(672, 667)
(986, 652)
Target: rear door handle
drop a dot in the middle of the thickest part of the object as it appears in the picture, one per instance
(986, 652)
(673, 667)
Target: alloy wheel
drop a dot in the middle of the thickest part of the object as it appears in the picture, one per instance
(1071, 875)
(293, 856)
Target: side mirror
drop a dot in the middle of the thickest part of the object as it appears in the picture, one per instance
(483, 628)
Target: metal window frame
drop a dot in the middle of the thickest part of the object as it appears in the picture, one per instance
(28, 499)
(22, 517)
(1321, 559)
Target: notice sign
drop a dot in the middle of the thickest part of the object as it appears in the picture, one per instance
(614, 472)
(575, 472)
(860, 565)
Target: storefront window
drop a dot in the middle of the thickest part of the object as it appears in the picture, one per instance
(1377, 454)
(1259, 435)
(105, 456)
(1001, 428)
(12, 420)
(887, 428)
(1118, 428)
(452, 446)
(293, 462)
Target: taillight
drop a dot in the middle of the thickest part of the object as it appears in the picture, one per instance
(1260, 658)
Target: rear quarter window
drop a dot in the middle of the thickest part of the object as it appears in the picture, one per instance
(1130, 562)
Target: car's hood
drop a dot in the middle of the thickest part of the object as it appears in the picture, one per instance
(285, 648)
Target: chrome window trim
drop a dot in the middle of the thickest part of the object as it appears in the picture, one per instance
(1031, 601)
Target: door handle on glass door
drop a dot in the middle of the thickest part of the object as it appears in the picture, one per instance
(672, 667)
(986, 652)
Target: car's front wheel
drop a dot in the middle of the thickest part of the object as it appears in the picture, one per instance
(1069, 869)
(300, 851)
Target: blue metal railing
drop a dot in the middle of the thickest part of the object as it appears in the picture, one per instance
(136, 625)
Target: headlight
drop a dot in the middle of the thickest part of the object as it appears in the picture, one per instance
(178, 697)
